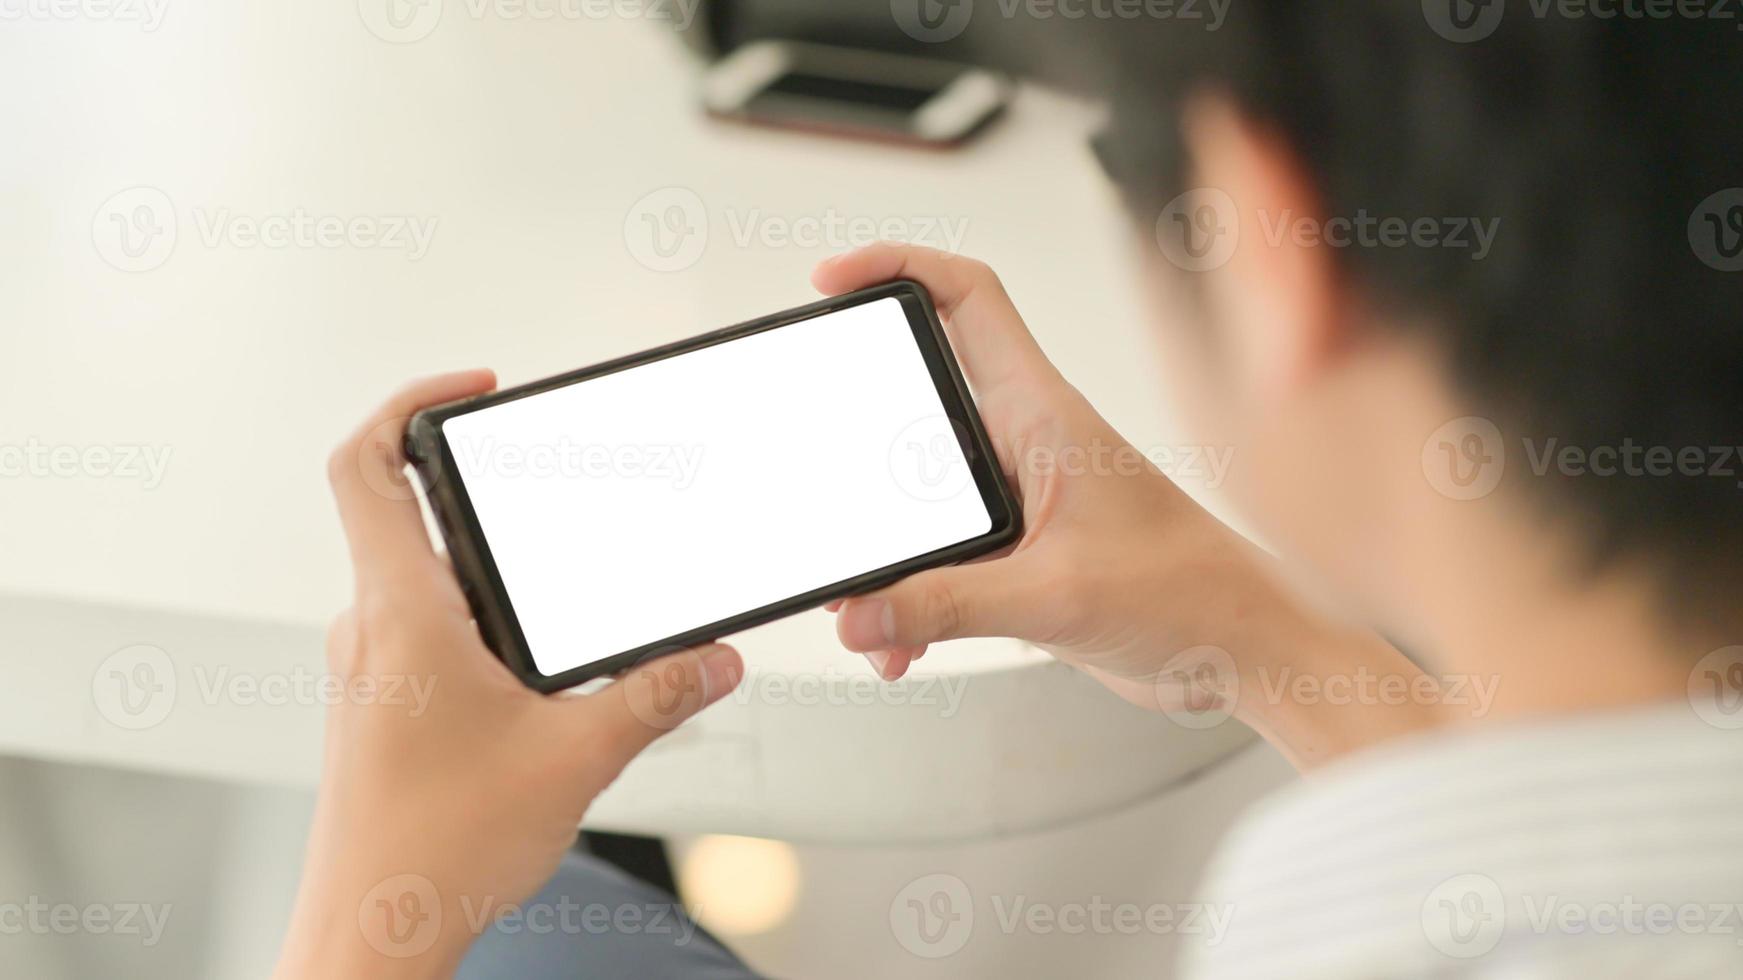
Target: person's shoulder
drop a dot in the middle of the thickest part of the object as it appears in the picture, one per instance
(1399, 854)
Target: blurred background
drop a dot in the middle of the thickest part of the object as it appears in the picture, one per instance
(229, 229)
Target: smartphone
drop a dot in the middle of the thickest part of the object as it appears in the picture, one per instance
(852, 92)
(676, 496)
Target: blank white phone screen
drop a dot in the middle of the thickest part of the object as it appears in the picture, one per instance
(662, 498)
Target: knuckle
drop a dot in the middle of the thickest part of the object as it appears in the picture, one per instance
(384, 617)
(343, 628)
(944, 611)
(406, 397)
(375, 610)
(982, 275)
(342, 463)
(342, 642)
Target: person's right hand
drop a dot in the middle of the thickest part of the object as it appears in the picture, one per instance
(1118, 571)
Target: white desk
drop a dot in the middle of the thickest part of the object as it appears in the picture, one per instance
(529, 144)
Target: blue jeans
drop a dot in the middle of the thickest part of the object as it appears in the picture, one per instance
(592, 920)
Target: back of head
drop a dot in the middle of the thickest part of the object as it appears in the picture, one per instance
(1609, 310)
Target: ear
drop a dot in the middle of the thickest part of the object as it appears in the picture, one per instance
(1276, 299)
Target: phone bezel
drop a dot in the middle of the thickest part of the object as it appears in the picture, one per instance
(431, 459)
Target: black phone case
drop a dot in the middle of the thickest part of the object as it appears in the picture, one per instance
(431, 460)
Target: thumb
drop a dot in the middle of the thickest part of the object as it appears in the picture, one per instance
(940, 604)
(654, 697)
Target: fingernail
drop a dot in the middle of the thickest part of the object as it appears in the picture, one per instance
(868, 624)
(723, 668)
(880, 659)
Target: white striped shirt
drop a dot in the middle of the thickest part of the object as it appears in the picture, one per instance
(1607, 846)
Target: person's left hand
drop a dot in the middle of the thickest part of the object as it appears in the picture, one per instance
(448, 787)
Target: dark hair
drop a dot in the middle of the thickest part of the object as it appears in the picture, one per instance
(1602, 315)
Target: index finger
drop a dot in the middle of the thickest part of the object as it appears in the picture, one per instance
(991, 339)
(383, 525)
